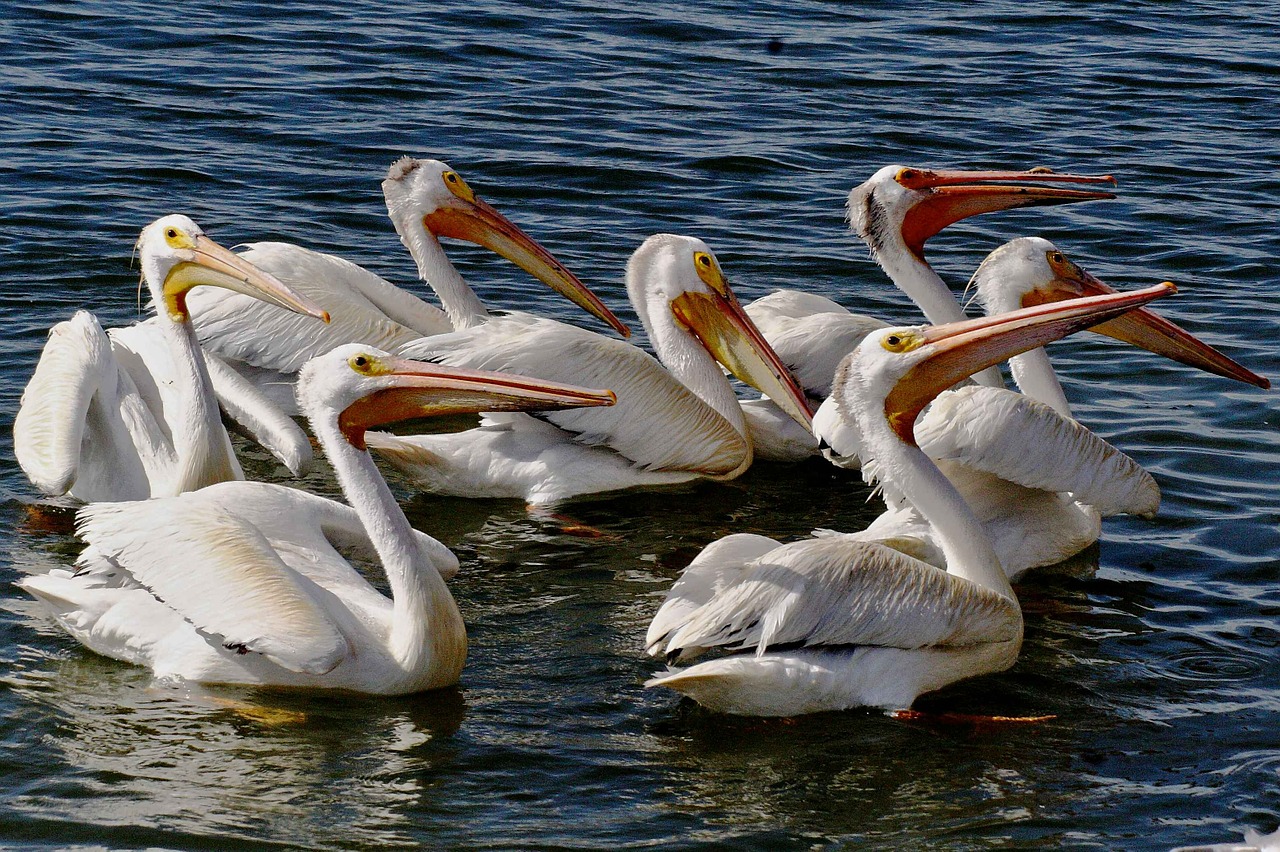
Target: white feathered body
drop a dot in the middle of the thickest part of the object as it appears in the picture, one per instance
(102, 415)
(268, 344)
(811, 334)
(658, 433)
(825, 624)
(1039, 482)
(237, 583)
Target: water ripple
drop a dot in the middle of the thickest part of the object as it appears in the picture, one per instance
(593, 125)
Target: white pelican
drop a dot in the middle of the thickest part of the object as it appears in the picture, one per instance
(241, 582)
(838, 622)
(132, 413)
(1038, 480)
(896, 211)
(426, 200)
(675, 421)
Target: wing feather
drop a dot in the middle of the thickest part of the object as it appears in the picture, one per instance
(842, 591)
(811, 334)
(265, 421)
(82, 425)
(221, 574)
(658, 423)
(49, 427)
(1028, 443)
(314, 524)
(719, 564)
(363, 308)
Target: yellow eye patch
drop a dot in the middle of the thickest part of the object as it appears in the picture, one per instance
(178, 238)
(1062, 266)
(366, 365)
(709, 271)
(458, 186)
(901, 341)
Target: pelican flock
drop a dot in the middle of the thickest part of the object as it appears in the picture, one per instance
(203, 577)
(426, 200)
(677, 416)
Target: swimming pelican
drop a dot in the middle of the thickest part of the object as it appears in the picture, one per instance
(831, 623)
(1039, 481)
(241, 582)
(896, 211)
(131, 413)
(675, 421)
(426, 200)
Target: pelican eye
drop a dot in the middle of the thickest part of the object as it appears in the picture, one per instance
(177, 238)
(458, 186)
(709, 271)
(361, 363)
(1062, 266)
(913, 178)
(900, 341)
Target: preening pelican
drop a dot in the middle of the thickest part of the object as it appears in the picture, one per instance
(426, 200)
(838, 622)
(131, 413)
(672, 423)
(896, 211)
(241, 582)
(1039, 481)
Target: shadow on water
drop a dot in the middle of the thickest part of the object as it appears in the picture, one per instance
(234, 763)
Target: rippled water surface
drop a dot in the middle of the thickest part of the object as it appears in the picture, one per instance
(594, 125)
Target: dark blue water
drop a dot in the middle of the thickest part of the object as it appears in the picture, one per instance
(594, 125)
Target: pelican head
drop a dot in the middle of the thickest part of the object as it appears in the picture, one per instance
(900, 207)
(427, 200)
(1033, 271)
(682, 275)
(908, 367)
(176, 256)
(362, 387)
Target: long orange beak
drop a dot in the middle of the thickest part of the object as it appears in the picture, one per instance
(1142, 327)
(215, 266)
(421, 389)
(952, 195)
(961, 349)
(724, 329)
(476, 221)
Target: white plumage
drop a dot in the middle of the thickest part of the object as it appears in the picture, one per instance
(861, 620)
(675, 421)
(426, 200)
(1040, 481)
(894, 212)
(245, 582)
(134, 412)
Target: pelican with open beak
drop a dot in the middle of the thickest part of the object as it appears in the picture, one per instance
(896, 211)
